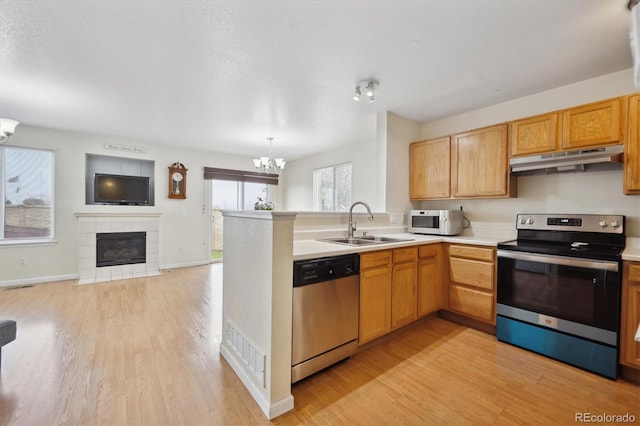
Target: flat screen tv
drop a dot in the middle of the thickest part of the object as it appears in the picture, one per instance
(120, 189)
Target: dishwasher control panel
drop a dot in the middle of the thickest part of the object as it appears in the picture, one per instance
(313, 271)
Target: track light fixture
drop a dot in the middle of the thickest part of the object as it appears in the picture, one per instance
(370, 87)
(357, 94)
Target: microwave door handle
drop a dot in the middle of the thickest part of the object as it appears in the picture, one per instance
(560, 260)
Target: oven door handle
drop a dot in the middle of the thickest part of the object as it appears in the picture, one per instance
(561, 260)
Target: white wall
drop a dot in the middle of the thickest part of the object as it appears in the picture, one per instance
(184, 227)
(400, 133)
(590, 192)
(298, 176)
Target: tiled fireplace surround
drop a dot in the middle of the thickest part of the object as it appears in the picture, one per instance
(91, 223)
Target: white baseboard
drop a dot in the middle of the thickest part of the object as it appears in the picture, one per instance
(270, 410)
(64, 277)
(38, 280)
(185, 264)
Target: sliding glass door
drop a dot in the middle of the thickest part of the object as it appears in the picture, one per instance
(233, 195)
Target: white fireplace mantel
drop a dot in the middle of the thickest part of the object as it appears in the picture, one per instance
(91, 222)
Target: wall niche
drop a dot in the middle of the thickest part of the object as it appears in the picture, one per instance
(118, 166)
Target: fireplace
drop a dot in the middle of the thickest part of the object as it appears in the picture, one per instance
(120, 248)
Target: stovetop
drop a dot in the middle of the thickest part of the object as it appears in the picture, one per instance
(588, 236)
(595, 252)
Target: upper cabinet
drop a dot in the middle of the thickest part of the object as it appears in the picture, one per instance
(632, 149)
(596, 124)
(473, 164)
(480, 163)
(599, 123)
(430, 169)
(535, 135)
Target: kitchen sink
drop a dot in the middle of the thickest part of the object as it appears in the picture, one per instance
(349, 241)
(365, 240)
(380, 239)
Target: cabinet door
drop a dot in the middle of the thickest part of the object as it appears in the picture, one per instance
(375, 302)
(629, 348)
(632, 149)
(480, 164)
(599, 123)
(430, 169)
(535, 135)
(403, 293)
(431, 294)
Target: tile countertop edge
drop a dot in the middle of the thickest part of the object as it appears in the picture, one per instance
(310, 249)
(632, 249)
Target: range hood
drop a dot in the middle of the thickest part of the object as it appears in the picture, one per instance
(604, 158)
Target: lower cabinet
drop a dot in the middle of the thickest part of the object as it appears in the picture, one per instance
(432, 295)
(472, 272)
(397, 286)
(400, 285)
(629, 348)
(404, 286)
(375, 295)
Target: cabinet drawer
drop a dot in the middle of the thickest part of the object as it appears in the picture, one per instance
(471, 302)
(472, 252)
(376, 258)
(634, 273)
(472, 272)
(429, 250)
(405, 254)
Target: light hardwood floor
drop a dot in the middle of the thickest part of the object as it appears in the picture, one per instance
(145, 351)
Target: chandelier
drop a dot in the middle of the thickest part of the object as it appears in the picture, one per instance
(269, 164)
(7, 127)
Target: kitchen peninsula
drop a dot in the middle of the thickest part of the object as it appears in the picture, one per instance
(260, 248)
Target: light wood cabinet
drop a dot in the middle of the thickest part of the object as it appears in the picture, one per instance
(595, 124)
(480, 163)
(431, 284)
(404, 285)
(632, 149)
(430, 169)
(629, 348)
(598, 123)
(375, 295)
(535, 135)
(472, 286)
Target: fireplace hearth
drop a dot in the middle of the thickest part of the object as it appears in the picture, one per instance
(120, 248)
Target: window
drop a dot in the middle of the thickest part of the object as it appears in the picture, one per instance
(233, 195)
(26, 186)
(332, 188)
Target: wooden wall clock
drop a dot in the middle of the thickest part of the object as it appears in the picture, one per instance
(178, 181)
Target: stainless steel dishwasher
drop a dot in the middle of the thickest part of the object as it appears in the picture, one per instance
(326, 298)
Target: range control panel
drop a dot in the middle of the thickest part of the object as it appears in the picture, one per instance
(609, 224)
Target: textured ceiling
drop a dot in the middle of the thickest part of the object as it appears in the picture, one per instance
(225, 75)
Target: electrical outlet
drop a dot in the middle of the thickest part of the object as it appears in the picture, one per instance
(23, 261)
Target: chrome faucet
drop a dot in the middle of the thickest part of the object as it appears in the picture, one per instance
(352, 225)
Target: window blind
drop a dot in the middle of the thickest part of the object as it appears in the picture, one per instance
(240, 176)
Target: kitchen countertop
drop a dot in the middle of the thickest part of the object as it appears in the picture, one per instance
(632, 249)
(310, 249)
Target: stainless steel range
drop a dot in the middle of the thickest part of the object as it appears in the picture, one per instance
(559, 288)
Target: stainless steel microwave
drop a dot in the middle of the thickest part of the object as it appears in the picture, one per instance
(436, 222)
